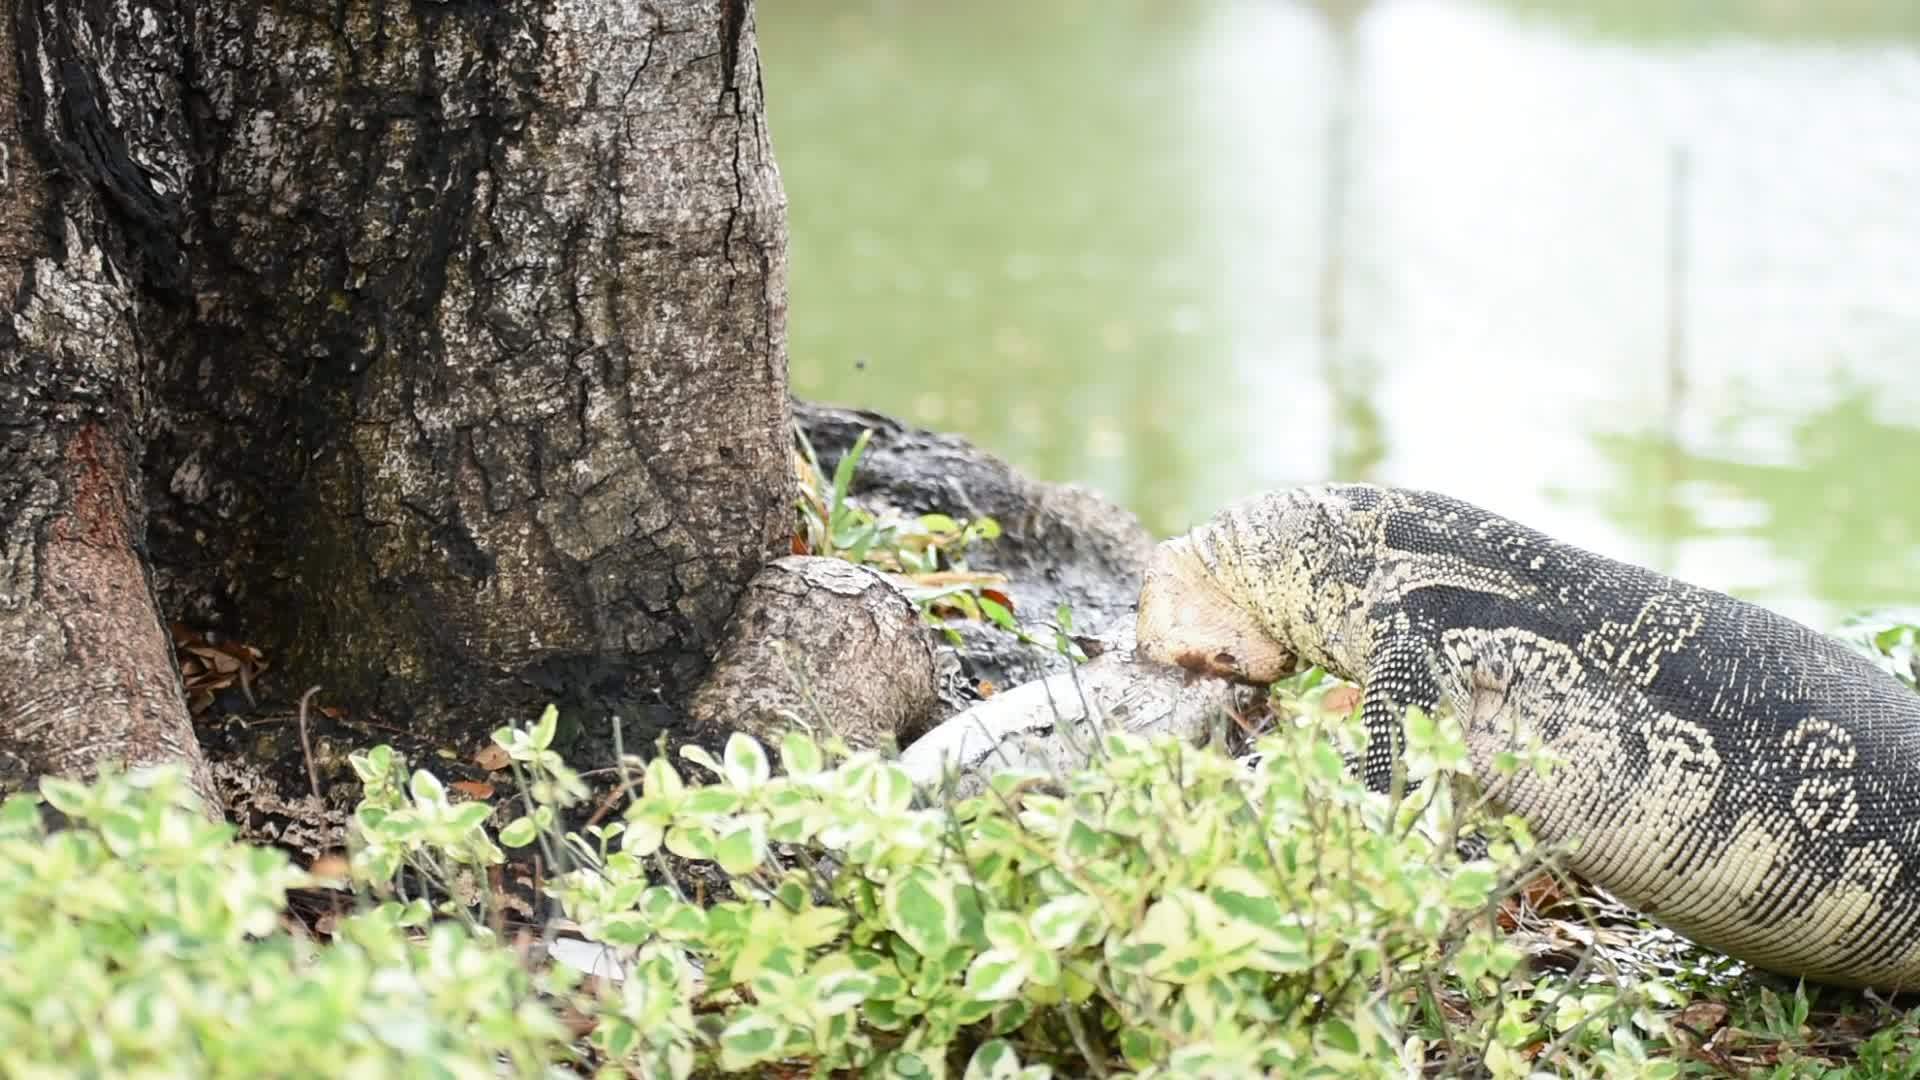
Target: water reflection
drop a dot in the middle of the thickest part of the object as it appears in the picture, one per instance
(1181, 252)
(1831, 493)
(992, 232)
(1358, 437)
(1665, 22)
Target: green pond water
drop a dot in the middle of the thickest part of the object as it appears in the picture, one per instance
(1645, 275)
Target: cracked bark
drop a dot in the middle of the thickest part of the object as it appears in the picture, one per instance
(825, 645)
(436, 350)
(86, 675)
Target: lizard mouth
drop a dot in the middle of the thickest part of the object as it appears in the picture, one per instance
(1224, 665)
(1187, 619)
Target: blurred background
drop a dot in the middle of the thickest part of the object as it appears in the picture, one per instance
(1642, 273)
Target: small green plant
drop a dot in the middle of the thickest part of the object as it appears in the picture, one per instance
(1168, 911)
(141, 940)
(1892, 638)
(1901, 642)
(831, 524)
(1165, 913)
(928, 552)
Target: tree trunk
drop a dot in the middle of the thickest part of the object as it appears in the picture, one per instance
(455, 333)
(86, 675)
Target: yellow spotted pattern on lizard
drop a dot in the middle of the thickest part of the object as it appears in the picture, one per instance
(1735, 775)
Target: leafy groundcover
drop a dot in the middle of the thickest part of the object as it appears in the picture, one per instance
(1171, 911)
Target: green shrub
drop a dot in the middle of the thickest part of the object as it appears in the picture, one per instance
(927, 553)
(142, 941)
(1166, 912)
(1891, 638)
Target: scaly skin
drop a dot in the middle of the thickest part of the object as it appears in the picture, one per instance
(1746, 780)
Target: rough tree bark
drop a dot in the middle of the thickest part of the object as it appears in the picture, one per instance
(825, 645)
(86, 676)
(444, 345)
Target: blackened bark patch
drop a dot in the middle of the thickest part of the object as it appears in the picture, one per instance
(594, 690)
(464, 556)
(733, 22)
(489, 372)
(448, 341)
(75, 133)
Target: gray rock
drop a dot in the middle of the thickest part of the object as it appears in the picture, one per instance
(1060, 543)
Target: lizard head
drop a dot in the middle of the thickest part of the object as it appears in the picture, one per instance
(1192, 616)
(1253, 593)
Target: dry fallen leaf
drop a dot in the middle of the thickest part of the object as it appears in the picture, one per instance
(492, 757)
(330, 865)
(1341, 699)
(243, 654)
(1703, 1017)
(579, 1023)
(940, 579)
(216, 659)
(987, 689)
(477, 789)
(1539, 893)
(1542, 891)
(208, 666)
